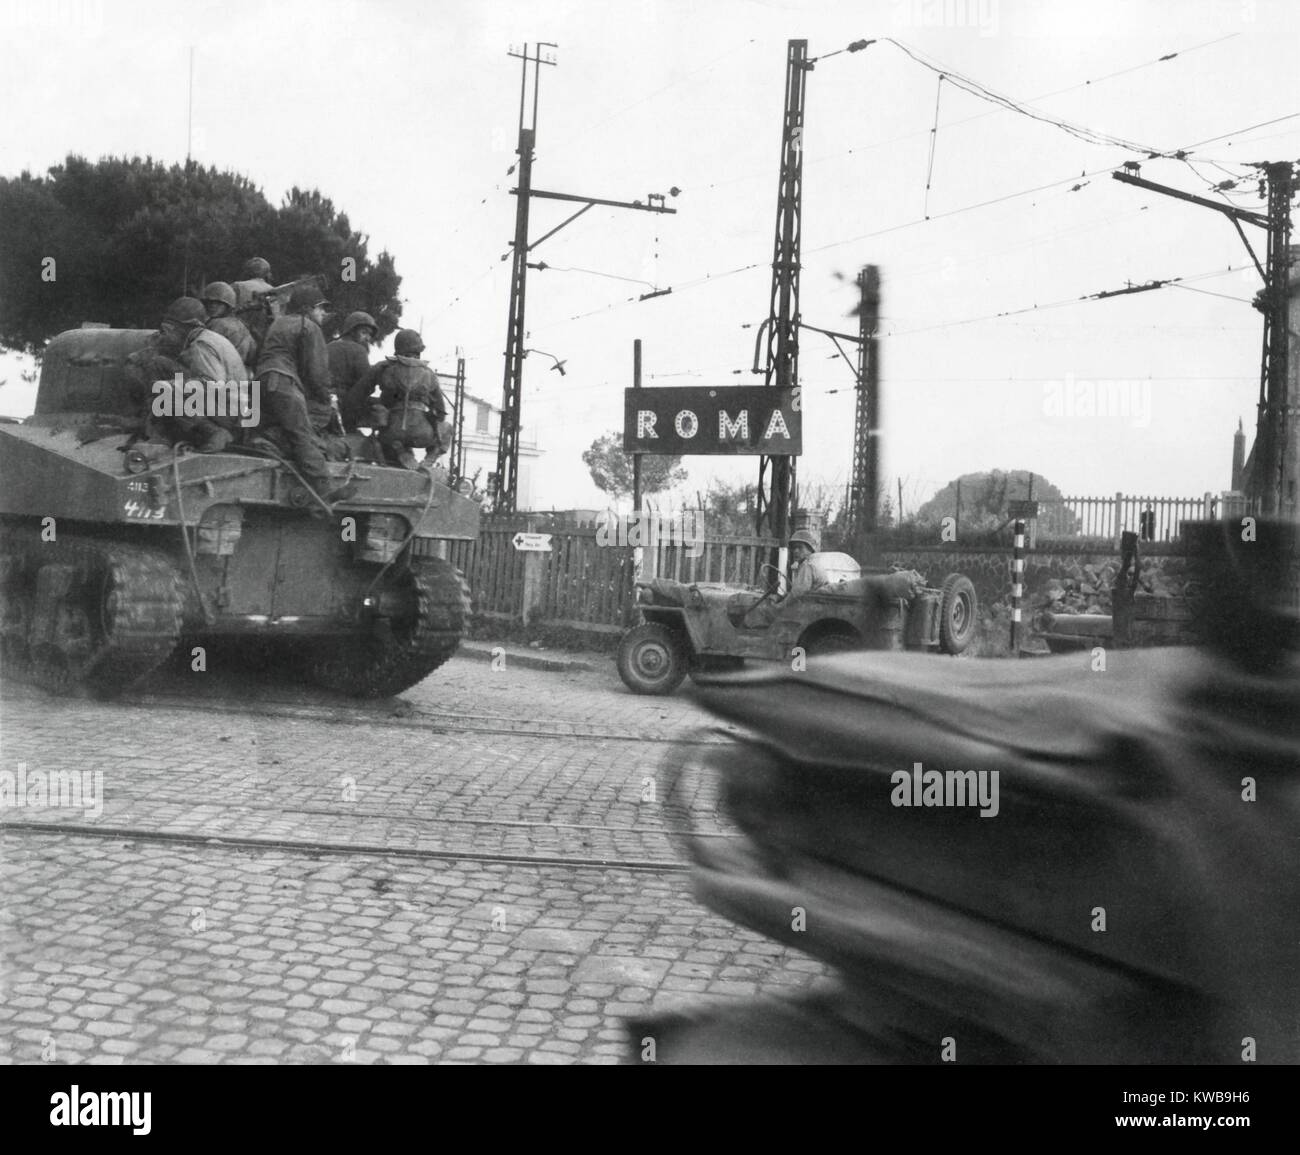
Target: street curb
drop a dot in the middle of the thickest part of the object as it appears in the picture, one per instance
(484, 652)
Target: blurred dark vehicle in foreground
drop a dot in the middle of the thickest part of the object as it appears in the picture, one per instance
(1128, 892)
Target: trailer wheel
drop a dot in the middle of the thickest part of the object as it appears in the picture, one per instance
(652, 659)
(956, 614)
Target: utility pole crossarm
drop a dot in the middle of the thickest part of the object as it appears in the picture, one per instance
(555, 196)
(566, 221)
(587, 203)
(854, 337)
(1237, 214)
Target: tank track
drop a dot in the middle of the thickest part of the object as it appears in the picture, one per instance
(379, 666)
(120, 619)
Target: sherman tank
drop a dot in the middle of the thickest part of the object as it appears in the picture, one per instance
(115, 552)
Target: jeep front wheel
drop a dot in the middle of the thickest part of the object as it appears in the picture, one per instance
(652, 659)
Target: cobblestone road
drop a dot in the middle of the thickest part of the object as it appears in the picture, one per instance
(483, 871)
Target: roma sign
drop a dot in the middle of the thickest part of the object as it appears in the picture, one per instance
(741, 419)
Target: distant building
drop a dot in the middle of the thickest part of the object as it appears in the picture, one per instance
(482, 431)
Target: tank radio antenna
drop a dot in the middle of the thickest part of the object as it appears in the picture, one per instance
(189, 116)
(189, 144)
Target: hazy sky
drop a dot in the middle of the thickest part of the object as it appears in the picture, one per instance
(405, 114)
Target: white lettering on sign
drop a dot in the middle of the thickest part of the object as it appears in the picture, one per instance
(737, 429)
(776, 423)
(684, 420)
(645, 423)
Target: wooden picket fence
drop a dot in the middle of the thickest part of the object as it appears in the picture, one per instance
(731, 560)
(1107, 517)
(577, 584)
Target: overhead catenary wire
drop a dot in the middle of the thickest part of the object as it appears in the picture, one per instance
(1105, 294)
(1003, 102)
(809, 161)
(1079, 183)
(710, 278)
(934, 140)
(983, 92)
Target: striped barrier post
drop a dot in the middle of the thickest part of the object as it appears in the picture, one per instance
(1017, 585)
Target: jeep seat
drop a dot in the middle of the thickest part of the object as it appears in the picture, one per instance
(666, 592)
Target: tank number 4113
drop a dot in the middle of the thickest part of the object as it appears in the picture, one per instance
(141, 509)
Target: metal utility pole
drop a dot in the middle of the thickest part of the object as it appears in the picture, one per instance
(864, 490)
(636, 457)
(1271, 487)
(456, 455)
(512, 387)
(1277, 482)
(783, 319)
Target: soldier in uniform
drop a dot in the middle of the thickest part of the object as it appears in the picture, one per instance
(203, 356)
(255, 301)
(802, 546)
(294, 369)
(219, 300)
(349, 365)
(413, 402)
(143, 368)
(255, 281)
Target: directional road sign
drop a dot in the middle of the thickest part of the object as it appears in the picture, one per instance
(532, 542)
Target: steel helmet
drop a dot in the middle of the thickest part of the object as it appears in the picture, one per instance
(356, 320)
(806, 537)
(186, 311)
(306, 297)
(257, 267)
(220, 291)
(408, 343)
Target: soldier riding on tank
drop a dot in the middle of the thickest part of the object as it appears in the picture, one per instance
(219, 300)
(349, 365)
(204, 356)
(255, 301)
(412, 408)
(293, 370)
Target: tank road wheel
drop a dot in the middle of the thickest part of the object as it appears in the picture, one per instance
(956, 614)
(81, 614)
(652, 659)
(422, 609)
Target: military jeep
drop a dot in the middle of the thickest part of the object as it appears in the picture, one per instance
(709, 627)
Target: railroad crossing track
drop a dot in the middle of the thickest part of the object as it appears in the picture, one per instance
(215, 818)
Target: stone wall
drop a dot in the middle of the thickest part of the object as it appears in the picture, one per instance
(1061, 578)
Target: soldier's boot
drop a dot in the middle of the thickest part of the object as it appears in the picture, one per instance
(342, 493)
(327, 491)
